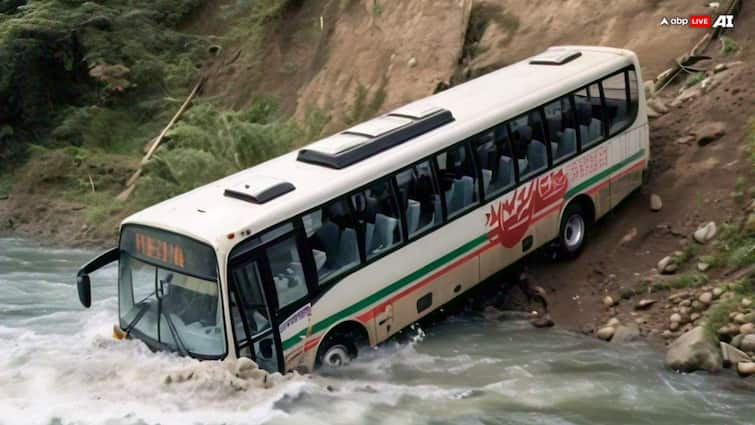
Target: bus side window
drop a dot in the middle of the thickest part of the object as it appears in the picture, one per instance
(589, 111)
(458, 180)
(562, 134)
(528, 144)
(378, 218)
(617, 102)
(633, 94)
(419, 198)
(332, 237)
(495, 159)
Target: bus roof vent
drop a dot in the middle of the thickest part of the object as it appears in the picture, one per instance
(259, 189)
(555, 57)
(375, 136)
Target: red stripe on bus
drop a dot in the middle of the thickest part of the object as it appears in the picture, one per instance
(629, 170)
(312, 343)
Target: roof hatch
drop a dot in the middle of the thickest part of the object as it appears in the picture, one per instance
(555, 57)
(259, 189)
(375, 136)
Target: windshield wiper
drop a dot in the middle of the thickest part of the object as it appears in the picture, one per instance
(143, 307)
(176, 336)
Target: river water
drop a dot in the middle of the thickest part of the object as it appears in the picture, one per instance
(58, 365)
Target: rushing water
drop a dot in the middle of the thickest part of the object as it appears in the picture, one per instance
(58, 365)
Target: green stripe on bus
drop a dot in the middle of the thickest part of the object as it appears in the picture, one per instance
(603, 174)
(388, 290)
(438, 263)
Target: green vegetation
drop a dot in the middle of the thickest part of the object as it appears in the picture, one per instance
(728, 46)
(694, 78)
(718, 314)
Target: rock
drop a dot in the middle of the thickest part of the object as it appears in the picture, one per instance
(624, 334)
(731, 356)
(719, 67)
(717, 292)
(746, 302)
(698, 306)
(412, 62)
(608, 301)
(649, 87)
(673, 326)
(694, 316)
(748, 343)
(737, 341)
(685, 303)
(702, 266)
(644, 304)
(614, 322)
(629, 237)
(709, 132)
(747, 329)
(658, 105)
(705, 233)
(667, 334)
(727, 332)
(652, 113)
(686, 96)
(676, 317)
(745, 369)
(656, 203)
(542, 322)
(667, 265)
(692, 351)
(739, 318)
(606, 333)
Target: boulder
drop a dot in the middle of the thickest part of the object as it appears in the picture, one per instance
(692, 351)
(667, 265)
(694, 316)
(705, 233)
(747, 329)
(709, 132)
(686, 96)
(702, 266)
(624, 334)
(737, 341)
(748, 343)
(608, 301)
(740, 319)
(676, 317)
(717, 292)
(606, 333)
(706, 298)
(731, 355)
(644, 304)
(658, 105)
(745, 369)
(649, 87)
(614, 322)
(746, 302)
(674, 326)
(727, 332)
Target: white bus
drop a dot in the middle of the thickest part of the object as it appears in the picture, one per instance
(296, 261)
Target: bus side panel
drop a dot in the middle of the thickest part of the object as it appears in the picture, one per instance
(627, 155)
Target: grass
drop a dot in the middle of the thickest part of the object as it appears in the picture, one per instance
(681, 281)
(718, 314)
(728, 46)
(694, 79)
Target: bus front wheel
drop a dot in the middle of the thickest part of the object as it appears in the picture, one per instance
(336, 351)
(573, 231)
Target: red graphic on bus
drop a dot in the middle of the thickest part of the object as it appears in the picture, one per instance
(511, 218)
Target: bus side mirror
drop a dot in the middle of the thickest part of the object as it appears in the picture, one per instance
(84, 287)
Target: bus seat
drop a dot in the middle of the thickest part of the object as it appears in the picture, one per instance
(466, 192)
(348, 249)
(412, 215)
(554, 149)
(487, 176)
(450, 196)
(554, 126)
(584, 112)
(537, 155)
(568, 143)
(505, 172)
(522, 166)
(328, 236)
(594, 129)
(369, 234)
(438, 211)
(525, 133)
(385, 228)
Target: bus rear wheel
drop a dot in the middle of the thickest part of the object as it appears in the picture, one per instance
(573, 231)
(336, 351)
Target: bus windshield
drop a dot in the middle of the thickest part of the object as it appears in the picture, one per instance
(168, 293)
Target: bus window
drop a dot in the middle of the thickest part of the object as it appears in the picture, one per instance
(332, 237)
(419, 198)
(496, 160)
(378, 218)
(633, 94)
(617, 102)
(287, 271)
(530, 151)
(589, 111)
(457, 179)
(246, 280)
(559, 118)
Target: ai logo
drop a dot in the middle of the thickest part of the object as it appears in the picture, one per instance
(724, 21)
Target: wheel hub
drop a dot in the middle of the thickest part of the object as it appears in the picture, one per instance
(336, 356)
(574, 232)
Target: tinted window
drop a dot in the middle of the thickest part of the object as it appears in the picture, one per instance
(633, 93)
(528, 144)
(419, 198)
(458, 179)
(616, 102)
(589, 112)
(377, 217)
(562, 133)
(495, 159)
(287, 271)
(246, 280)
(332, 237)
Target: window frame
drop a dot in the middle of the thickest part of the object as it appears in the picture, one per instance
(447, 218)
(436, 188)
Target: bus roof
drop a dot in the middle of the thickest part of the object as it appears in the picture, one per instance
(208, 215)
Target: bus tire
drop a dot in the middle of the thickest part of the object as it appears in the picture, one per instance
(336, 351)
(573, 231)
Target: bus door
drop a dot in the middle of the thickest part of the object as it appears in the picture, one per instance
(271, 287)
